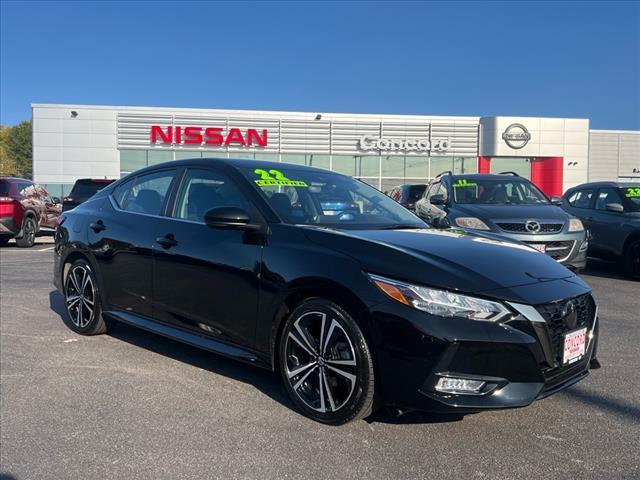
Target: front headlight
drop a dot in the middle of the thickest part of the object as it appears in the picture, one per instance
(575, 225)
(471, 222)
(441, 302)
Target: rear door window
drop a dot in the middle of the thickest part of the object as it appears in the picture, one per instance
(145, 194)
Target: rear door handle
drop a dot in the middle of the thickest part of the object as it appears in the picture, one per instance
(167, 241)
(97, 226)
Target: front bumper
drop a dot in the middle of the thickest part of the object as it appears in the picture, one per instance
(517, 360)
(569, 249)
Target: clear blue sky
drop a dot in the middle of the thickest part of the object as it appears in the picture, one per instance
(512, 58)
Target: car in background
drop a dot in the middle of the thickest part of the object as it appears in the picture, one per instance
(354, 310)
(510, 206)
(83, 190)
(407, 195)
(610, 211)
(26, 209)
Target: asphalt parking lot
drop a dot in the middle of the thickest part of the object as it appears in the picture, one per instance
(134, 405)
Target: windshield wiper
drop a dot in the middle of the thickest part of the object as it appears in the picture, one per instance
(402, 226)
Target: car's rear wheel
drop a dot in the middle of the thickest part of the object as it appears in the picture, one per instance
(632, 259)
(326, 363)
(28, 237)
(82, 300)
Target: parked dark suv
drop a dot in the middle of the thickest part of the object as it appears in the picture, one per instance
(82, 191)
(611, 213)
(25, 209)
(354, 309)
(510, 206)
(407, 195)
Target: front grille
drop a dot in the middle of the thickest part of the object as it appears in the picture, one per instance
(557, 250)
(560, 320)
(520, 227)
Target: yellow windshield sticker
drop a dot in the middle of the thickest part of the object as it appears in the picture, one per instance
(275, 178)
(464, 183)
(633, 192)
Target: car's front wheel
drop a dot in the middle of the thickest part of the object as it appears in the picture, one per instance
(326, 363)
(632, 259)
(82, 300)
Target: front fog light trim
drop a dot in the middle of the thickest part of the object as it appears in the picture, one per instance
(459, 386)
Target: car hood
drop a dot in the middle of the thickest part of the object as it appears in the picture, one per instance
(451, 259)
(513, 212)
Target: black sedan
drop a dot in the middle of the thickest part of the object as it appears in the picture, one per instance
(611, 213)
(364, 307)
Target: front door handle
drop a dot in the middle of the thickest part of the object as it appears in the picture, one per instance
(97, 226)
(167, 241)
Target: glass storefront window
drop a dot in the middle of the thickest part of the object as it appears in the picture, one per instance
(367, 166)
(393, 166)
(345, 164)
(520, 165)
(440, 164)
(132, 160)
(241, 155)
(320, 161)
(465, 165)
(294, 158)
(180, 155)
(158, 156)
(268, 157)
(416, 167)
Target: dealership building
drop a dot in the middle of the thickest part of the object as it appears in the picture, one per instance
(88, 141)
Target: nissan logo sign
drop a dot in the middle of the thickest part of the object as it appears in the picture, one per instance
(516, 136)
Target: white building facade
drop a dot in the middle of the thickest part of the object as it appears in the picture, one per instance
(85, 141)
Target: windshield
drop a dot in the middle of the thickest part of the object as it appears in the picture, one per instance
(498, 191)
(309, 197)
(633, 195)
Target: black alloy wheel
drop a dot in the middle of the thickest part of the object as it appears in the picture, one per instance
(82, 300)
(326, 363)
(28, 233)
(632, 259)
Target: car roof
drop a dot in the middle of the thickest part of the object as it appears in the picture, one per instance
(16, 179)
(607, 184)
(484, 176)
(232, 162)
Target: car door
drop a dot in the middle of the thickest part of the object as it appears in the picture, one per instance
(121, 234)
(607, 232)
(206, 279)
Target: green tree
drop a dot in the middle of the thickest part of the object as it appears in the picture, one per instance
(7, 164)
(19, 148)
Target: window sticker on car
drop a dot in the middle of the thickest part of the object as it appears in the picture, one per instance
(633, 192)
(275, 178)
(464, 183)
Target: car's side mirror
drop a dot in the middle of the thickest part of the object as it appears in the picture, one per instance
(556, 200)
(437, 199)
(230, 218)
(614, 207)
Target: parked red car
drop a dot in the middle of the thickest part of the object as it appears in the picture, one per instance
(25, 210)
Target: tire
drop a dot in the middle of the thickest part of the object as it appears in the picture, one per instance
(329, 376)
(4, 241)
(82, 299)
(28, 237)
(632, 259)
